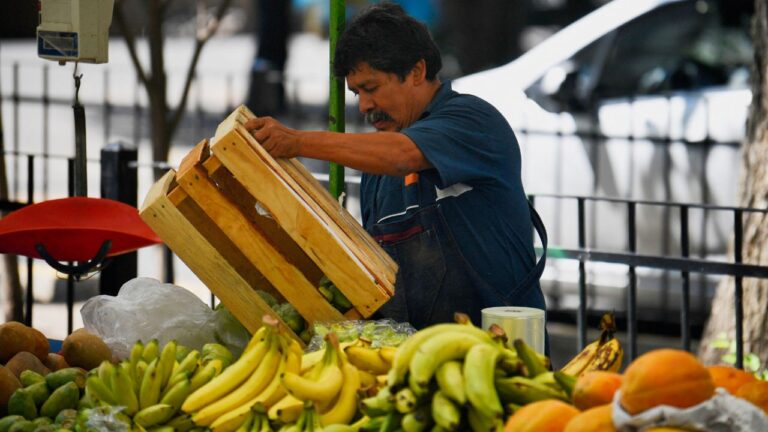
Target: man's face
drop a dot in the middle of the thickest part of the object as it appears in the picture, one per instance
(386, 101)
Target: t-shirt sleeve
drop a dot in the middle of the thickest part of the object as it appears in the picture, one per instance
(465, 142)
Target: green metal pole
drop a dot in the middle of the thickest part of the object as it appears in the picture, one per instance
(336, 98)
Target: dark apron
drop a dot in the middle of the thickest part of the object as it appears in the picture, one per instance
(434, 279)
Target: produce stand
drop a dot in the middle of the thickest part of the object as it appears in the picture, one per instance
(243, 221)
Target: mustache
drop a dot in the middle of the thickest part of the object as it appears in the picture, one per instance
(373, 116)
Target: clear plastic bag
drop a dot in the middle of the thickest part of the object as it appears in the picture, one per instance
(384, 332)
(145, 308)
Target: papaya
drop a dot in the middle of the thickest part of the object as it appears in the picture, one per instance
(64, 397)
(21, 403)
(729, 377)
(543, 416)
(595, 388)
(755, 392)
(597, 419)
(665, 377)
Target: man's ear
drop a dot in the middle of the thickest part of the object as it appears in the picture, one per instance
(419, 72)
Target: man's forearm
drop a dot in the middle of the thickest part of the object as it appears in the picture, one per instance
(389, 153)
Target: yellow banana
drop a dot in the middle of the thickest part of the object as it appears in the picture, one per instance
(203, 376)
(175, 396)
(443, 347)
(151, 351)
(607, 358)
(286, 410)
(289, 362)
(125, 394)
(149, 393)
(450, 380)
(166, 361)
(229, 379)
(578, 364)
(387, 354)
(444, 412)
(479, 367)
(327, 383)
(135, 355)
(410, 346)
(138, 376)
(256, 338)
(367, 380)
(154, 415)
(345, 407)
(246, 426)
(367, 359)
(251, 388)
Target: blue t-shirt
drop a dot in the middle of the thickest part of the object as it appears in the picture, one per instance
(476, 178)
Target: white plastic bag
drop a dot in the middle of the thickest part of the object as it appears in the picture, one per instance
(720, 413)
(144, 309)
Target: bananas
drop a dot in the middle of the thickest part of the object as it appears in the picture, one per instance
(604, 354)
(150, 385)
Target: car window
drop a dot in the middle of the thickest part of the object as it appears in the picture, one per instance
(681, 46)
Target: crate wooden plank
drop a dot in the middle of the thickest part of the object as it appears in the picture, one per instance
(305, 226)
(257, 248)
(299, 178)
(161, 211)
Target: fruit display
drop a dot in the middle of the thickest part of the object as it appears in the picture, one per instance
(446, 377)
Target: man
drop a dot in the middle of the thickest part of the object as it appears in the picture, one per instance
(441, 191)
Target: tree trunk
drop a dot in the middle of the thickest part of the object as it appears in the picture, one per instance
(754, 193)
(156, 88)
(13, 301)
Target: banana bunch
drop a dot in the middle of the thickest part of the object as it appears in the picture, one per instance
(226, 402)
(329, 387)
(153, 383)
(605, 353)
(443, 378)
(373, 364)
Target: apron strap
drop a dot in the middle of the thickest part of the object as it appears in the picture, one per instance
(538, 269)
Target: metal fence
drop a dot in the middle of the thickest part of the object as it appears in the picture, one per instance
(32, 178)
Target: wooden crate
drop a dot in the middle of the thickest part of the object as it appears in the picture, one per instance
(242, 220)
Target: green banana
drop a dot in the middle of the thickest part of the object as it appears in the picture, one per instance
(124, 389)
(98, 391)
(149, 392)
(165, 364)
(64, 397)
(188, 364)
(202, 376)
(177, 378)
(181, 423)
(405, 400)
(443, 347)
(29, 377)
(567, 382)
(176, 395)
(21, 403)
(533, 363)
(410, 346)
(418, 420)
(480, 423)
(154, 415)
(380, 404)
(213, 351)
(62, 376)
(450, 380)
(390, 422)
(151, 351)
(523, 390)
(444, 412)
(479, 367)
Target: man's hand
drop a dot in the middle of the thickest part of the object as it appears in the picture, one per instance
(277, 139)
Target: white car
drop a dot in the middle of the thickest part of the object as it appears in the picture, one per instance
(640, 99)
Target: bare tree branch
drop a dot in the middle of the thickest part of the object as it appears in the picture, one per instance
(130, 41)
(213, 26)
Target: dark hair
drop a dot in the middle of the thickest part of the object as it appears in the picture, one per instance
(389, 40)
